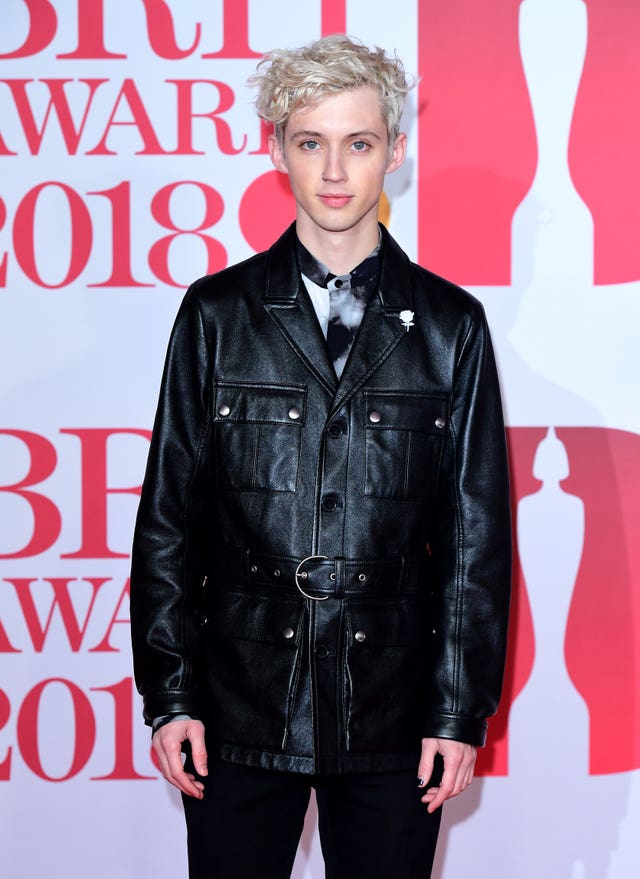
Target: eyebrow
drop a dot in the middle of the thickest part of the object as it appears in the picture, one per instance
(365, 133)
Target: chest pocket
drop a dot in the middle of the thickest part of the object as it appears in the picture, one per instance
(257, 434)
(404, 433)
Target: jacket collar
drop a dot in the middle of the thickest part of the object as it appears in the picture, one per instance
(283, 283)
(289, 305)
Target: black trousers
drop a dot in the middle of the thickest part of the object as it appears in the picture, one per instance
(371, 825)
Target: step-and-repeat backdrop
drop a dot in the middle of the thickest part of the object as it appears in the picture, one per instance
(131, 163)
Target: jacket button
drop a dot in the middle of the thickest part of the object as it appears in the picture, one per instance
(374, 417)
(254, 569)
(294, 413)
(224, 410)
(440, 423)
(360, 637)
(335, 430)
(322, 651)
(330, 503)
(288, 633)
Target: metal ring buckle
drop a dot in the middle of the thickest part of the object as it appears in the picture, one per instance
(299, 573)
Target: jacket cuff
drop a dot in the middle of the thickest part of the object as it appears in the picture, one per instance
(161, 703)
(470, 730)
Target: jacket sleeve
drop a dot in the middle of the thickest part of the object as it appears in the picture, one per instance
(168, 561)
(470, 544)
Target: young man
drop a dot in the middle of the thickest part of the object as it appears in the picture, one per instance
(320, 573)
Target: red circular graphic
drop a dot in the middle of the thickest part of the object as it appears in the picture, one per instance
(266, 209)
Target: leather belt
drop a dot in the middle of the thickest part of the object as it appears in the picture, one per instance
(318, 577)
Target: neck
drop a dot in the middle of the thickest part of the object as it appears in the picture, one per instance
(339, 251)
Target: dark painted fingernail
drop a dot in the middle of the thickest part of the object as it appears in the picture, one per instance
(421, 782)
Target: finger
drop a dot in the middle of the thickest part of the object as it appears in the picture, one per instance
(467, 769)
(184, 781)
(468, 778)
(436, 796)
(425, 767)
(198, 748)
(456, 778)
(168, 751)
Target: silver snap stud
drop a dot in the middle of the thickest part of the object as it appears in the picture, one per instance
(224, 410)
(362, 577)
(360, 637)
(254, 569)
(303, 575)
(332, 576)
(440, 423)
(374, 417)
(276, 573)
(294, 413)
(288, 633)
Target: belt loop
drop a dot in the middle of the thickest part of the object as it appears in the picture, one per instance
(340, 573)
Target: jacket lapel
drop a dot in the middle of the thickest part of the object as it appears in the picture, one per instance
(381, 329)
(288, 304)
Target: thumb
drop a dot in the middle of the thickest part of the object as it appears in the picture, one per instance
(425, 767)
(195, 734)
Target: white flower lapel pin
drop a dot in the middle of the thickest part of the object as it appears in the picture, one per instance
(406, 318)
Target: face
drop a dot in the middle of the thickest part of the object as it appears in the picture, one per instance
(336, 154)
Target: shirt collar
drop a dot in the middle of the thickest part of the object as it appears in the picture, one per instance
(364, 276)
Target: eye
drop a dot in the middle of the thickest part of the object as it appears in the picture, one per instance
(310, 145)
(360, 146)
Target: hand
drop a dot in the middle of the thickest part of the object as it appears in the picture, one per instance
(459, 761)
(167, 743)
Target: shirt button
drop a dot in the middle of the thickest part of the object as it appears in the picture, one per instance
(360, 637)
(329, 503)
(440, 423)
(224, 410)
(322, 651)
(288, 633)
(335, 430)
(294, 413)
(374, 417)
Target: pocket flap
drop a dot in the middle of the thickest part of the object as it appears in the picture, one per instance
(406, 411)
(388, 624)
(254, 617)
(259, 403)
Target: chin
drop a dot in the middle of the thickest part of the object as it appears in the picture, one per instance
(338, 223)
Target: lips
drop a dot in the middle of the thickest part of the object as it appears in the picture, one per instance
(334, 200)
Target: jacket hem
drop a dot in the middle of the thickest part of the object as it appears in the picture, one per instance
(305, 765)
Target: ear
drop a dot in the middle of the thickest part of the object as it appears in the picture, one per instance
(276, 154)
(398, 152)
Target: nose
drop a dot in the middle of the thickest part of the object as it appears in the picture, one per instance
(334, 171)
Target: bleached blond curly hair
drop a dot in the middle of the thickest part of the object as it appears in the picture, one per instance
(288, 79)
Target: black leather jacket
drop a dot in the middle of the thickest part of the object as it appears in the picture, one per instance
(394, 478)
